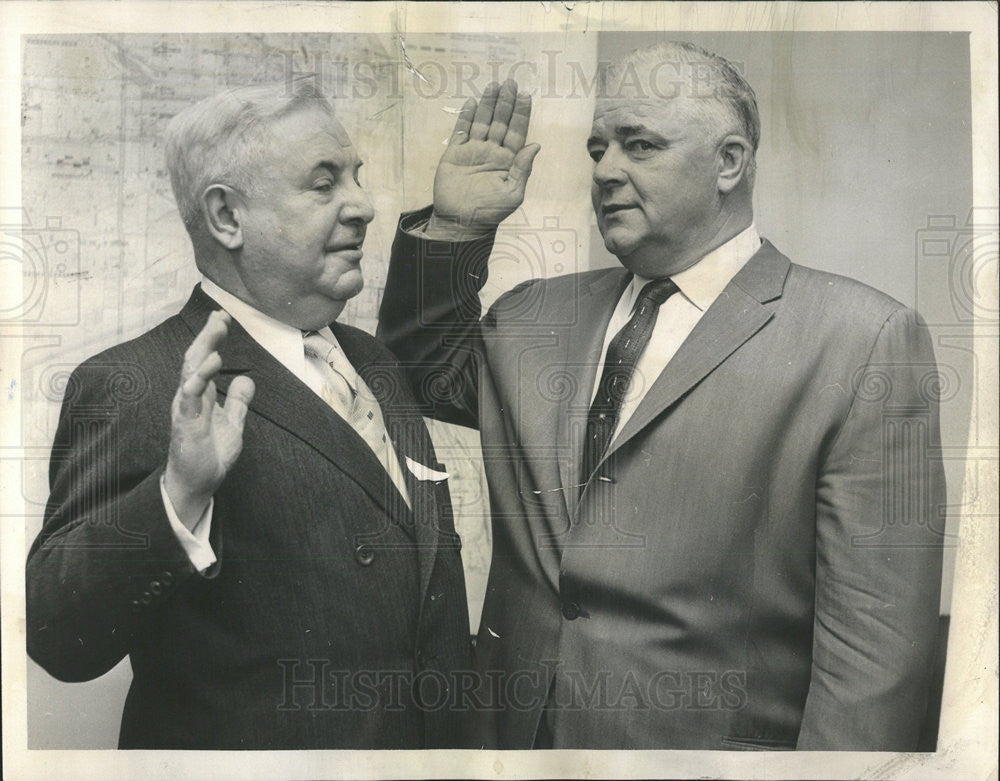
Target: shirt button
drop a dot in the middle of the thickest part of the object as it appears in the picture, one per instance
(364, 555)
(570, 611)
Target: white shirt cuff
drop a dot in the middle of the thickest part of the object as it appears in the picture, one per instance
(419, 230)
(195, 542)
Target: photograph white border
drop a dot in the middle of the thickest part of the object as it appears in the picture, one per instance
(968, 731)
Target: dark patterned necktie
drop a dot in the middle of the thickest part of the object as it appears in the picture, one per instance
(619, 366)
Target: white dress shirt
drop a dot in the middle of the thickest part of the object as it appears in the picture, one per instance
(284, 343)
(698, 287)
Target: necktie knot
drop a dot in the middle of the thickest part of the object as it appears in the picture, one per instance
(658, 291)
(318, 346)
(315, 345)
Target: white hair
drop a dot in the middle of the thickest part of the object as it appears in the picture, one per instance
(221, 139)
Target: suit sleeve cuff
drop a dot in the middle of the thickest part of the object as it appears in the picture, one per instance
(196, 541)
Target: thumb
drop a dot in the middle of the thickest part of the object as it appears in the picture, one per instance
(240, 394)
(520, 169)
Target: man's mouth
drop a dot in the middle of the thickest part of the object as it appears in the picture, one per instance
(347, 248)
(612, 208)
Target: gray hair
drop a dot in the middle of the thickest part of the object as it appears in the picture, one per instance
(220, 139)
(728, 88)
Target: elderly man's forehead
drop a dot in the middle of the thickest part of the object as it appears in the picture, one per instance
(310, 122)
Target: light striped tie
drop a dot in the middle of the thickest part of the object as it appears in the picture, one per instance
(348, 395)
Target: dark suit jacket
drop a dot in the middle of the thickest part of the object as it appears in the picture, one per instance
(758, 562)
(329, 596)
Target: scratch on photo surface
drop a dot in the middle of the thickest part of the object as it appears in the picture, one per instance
(408, 64)
(379, 113)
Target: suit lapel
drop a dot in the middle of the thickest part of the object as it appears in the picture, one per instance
(288, 403)
(584, 343)
(735, 317)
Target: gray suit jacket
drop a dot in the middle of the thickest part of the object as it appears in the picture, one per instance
(329, 600)
(757, 564)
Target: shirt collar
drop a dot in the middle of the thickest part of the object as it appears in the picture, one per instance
(701, 283)
(281, 340)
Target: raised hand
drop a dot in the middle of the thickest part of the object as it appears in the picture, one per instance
(483, 172)
(205, 437)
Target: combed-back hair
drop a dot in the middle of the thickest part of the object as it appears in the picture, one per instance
(728, 88)
(221, 139)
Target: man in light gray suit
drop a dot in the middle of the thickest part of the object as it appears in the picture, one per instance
(715, 505)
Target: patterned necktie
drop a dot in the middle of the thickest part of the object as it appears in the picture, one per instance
(619, 366)
(350, 398)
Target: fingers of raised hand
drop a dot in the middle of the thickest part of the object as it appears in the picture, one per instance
(483, 117)
(207, 341)
(461, 132)
(517, 129)
(201, 363)
(502, 112)
(197, 392)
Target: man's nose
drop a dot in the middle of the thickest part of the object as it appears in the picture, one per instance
(608, 170)
(358, 206)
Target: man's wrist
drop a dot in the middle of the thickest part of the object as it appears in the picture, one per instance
(188, 505)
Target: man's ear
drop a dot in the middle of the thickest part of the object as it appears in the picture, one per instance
(223, 207)
(735, 160)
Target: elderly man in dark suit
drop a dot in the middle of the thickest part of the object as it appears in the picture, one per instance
(282, 570)
(716, 511)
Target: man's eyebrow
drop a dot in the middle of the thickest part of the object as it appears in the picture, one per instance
(621, 131)
(356, 162)
(630, 130)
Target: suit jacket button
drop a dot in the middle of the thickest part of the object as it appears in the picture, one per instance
(167, 578)
(155, 588)
(570, 611)
(146, 598)
(364, 555)
(135, 605)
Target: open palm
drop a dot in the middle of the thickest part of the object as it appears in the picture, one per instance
(205, 438)
(484, 171)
